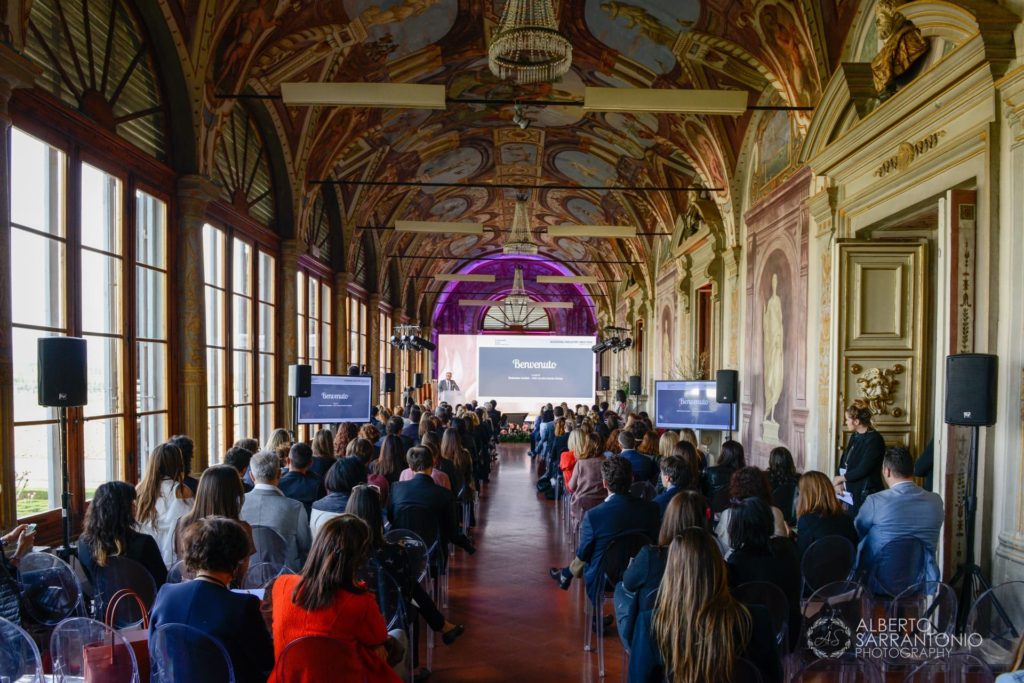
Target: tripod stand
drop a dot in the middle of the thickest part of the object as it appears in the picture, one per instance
(66, 551)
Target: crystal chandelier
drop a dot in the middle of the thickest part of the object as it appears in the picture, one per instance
(527, 47)
(519, 242)
(517, 306)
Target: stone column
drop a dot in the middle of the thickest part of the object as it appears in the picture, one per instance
(401, 379)
(340, 315)
(288, 310)
(195, 192)
(373, 341)
(15, 72)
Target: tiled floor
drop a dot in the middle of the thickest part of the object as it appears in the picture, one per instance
(519, 625)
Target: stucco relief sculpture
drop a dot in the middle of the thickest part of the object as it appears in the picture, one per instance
(903, 46)
(878, 388)
(772, 338)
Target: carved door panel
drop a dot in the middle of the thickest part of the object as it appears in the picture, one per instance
(883, 300)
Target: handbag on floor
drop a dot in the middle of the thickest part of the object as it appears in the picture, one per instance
(138, 638)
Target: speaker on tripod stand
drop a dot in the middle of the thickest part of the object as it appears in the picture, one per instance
(62, 384)
(970, 402)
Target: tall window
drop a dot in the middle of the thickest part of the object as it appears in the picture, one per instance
(357, 331)
(384, 325)
(84, 265)
(314, 323)
(240, 345)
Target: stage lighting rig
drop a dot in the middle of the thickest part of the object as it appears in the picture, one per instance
(613, 341)
(406, 338)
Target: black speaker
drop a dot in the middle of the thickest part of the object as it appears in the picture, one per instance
(299, 380)
(971, 389)
(634, 385)
(606, 383)
(389, 382)
(62, 372)
(418, 379)
(726, 386)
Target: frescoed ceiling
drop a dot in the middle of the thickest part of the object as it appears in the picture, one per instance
(781, 47)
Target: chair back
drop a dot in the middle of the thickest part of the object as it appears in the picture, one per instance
(261, 573)
(419, 519)
(388, 592)
(619, 551)
(839, 670)
(270, 546)
(122, 573)
(959, 666)
(182, 653)
(845, 601)
(19, 656)
(179, 573)
(745, 671)
(86, 649)
(415, 547)
(318, 659)
(784, 498)
(50, 591)
(931, 601)
(644, 490)
(901, 563)
(998, 617)
(771, 597)
(825, 561)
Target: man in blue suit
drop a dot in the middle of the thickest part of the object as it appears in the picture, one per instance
(644, 468)
(676, 478)
(620, 513)
(904, 509)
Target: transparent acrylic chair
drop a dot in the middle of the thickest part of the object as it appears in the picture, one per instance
(19, 657)
(50, 589)
(182, 653)
(85, 649)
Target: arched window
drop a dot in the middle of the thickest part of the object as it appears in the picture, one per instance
(242, 169)
(497, 319)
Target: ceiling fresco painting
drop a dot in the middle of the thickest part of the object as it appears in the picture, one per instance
(765, 47)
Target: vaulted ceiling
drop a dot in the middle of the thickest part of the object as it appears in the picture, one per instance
(780, 51)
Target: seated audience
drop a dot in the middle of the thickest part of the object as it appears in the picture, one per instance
(758, 556)
(411, 430)
(345, 432)
(819, 513)
(391, 461)
(220, 494)
(611, 444)
(267, 506)
(186, 446)
(781, 470)
(217, 549)
(567, 461)
(715, 484)
(643, 575)
(904, 509)
(748, 482)
(688, 435)
(649, 445)
(341, 479)
(325, 600)
(162, 498)
(109, 531)
(323, 452)
(10, 590)
(644, 468)
(667, 443)
(393, 558)
(438, 474)
(249, 444)
(421, 492)
(586, 483)
(280, 442)
(697, 630)
(677, 475)
(363, 451)
(299, 482)
(238, 458)
(456, 460)
(620, 513)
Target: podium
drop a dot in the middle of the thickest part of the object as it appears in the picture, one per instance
(451, 397)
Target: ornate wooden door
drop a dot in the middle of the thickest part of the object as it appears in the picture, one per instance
(883, 301)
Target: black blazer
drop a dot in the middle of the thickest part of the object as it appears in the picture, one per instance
(422, 491)
(863, 462)
(715, 479)
(139, 547)
(621, 514)
(812, 527)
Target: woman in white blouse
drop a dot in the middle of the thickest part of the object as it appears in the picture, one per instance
(163, 498)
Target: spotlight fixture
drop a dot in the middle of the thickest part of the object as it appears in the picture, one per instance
(613, 343)
(406, 338)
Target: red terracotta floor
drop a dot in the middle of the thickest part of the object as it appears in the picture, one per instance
(519, 625)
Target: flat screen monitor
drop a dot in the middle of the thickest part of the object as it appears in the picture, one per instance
(335, 398)
(691, 403)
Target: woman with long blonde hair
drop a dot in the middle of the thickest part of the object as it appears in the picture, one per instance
(586, 482)
(667, 443)
(697, 630)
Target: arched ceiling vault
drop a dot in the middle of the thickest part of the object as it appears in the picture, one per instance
(780, 47)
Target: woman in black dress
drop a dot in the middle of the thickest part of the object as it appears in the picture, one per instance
(860, 469)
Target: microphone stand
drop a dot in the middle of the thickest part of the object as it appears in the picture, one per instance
(67, 551)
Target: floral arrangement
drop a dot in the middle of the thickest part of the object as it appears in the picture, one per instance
(515, 433)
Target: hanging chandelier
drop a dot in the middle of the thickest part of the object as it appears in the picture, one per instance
(519, 242)
(517, 306)
(527, 47)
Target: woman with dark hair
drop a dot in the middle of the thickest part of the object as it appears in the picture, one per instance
(326, 600)
(393, 558)
(621, 404)
(345, 474)
(697, 630)
(649, 444)
(249, 444)
(217, 549)
(691, 478)
(758, 555)
(162, 498)
(346, 431)
(392, 459)
(219, 494)
(109, 531)
(323, 452)
(611, 444)
(716, 478)
(456, 459)
(781, 469)
(819, 513)
(363, 450)
(748, 482)
(859, 472)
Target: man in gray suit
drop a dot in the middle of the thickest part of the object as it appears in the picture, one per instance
(267, 506)
(903, 509)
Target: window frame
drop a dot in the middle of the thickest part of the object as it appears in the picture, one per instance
(325, 363)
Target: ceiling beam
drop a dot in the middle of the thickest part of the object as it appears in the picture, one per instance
(513, 186)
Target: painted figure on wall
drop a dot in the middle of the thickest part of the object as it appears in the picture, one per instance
(773, 352)
(904, 46)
